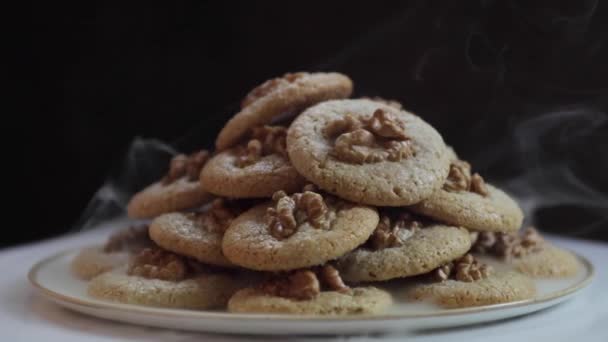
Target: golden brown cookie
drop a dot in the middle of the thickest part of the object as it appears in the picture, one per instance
(466, 200)
(256, 168)
(310, 292)
(197, 235)
(495, 289)
(288, 94)
(528, 252)
(359, 301)
(301, 230)
(92, 261)
(368, 152)
(402, 246)
(158, 278)
(178, 190)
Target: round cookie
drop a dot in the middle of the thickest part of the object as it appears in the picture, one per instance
(288, 94)
(359, 300)
(426, 249)
(466, 200)
(92, 261)
(495, 289)
(201, 292)
(256, 169)
(249, 242)
(494, 212)
(549, 262)
(116, 252)
(368, 152)
(178, 190)
(197, 235)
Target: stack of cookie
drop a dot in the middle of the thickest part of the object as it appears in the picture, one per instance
(310, 204)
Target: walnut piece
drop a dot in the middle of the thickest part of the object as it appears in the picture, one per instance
(466, 268)
(393, 232)
(469, 269)
(186, 166)
(268, 87)
(460, 179)
(155, 263)
(133, 239)
(265, 140)
(509, 246)
(331, 277)
(300, 285)
(369, 140)
(305, 284)
(289, 212)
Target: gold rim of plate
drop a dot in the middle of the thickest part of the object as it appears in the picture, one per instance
(177, 313)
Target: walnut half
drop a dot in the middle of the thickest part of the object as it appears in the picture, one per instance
(156, 263)
(305, 284)
(369, 140)
(392, 232)
(466, 268)
(509, 246)
(460, 179)
(289, 212)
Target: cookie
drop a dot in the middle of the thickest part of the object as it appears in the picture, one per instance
(360, 300)
(550, 262)
(297, 231)
(197, 235)
(497, 288)
(165, 280)
(318, 291)
(368, 152)
(256, 168)
(92, 261)
(528, 252)
(277, 97)
(402, 247)
(467, 200)
(178, 190)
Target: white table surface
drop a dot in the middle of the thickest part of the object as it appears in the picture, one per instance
(26, 316)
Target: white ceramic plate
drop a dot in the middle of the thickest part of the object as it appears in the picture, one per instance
(53, 279)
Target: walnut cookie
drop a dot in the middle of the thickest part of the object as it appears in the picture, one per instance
(308, 292)
(528, 253)
(159, 278)
(92, 261)
(368, 152)
(401, 246)
(296, 231)
(178, 190)
(197, 234)
(466, 200)
(256, 168)
(288, 94)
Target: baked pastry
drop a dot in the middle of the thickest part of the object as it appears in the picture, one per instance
(278, 97)
(178, 190)
(307, 292)
(92, 261)
(368, 152)
(197, 234)
(160, 278)
(256, 168)
(297, 231)
(403, 245)
(529, 253)
(467, 282)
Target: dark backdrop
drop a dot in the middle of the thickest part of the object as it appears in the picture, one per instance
(518, 87)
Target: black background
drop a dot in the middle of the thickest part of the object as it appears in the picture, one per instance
(514, 86)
